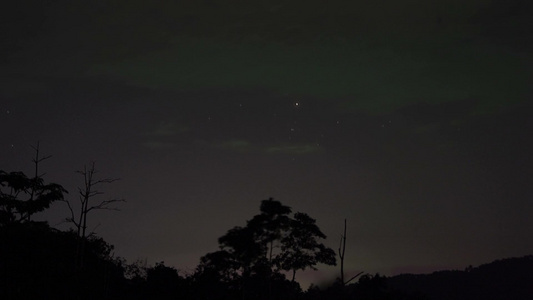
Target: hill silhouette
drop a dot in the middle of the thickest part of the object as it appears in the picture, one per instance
(509, 278)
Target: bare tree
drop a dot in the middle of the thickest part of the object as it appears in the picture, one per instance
(342, 251)
(86, 195)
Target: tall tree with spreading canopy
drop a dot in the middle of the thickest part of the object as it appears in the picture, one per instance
(301, 248)
(270, 225)
(271, 241)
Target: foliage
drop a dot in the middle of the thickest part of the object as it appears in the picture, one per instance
(37, 262)
(163, 282)
(301, 248)
(40, 262)
(21, 197)
(251, 258)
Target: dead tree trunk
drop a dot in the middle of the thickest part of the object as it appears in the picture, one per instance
(342, 251)
(86, 193)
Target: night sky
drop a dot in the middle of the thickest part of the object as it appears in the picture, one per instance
(411, 119)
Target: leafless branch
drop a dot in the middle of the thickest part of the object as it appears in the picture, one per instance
(37, 160)
(86, 193)
(106, 180)
(357, 275)
(71, 211)
(105, 205)
(93, 231)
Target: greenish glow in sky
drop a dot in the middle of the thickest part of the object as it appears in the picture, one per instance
(362, 76)
(413, 118)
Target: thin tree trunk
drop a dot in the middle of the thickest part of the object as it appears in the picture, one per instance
(270, 273)
(341, 252)
(293, 274)
(83, 237)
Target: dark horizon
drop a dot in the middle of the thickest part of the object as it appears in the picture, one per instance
(410, 120)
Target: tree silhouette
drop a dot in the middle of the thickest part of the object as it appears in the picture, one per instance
(21, 197)
(86, 193)
(251, 245)
(342, 251)
(248, 258)
(36, 263)
(301, 248)
(270, 224)
(163, 282)
(217, 277)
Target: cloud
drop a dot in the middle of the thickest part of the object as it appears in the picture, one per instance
(160, 137)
